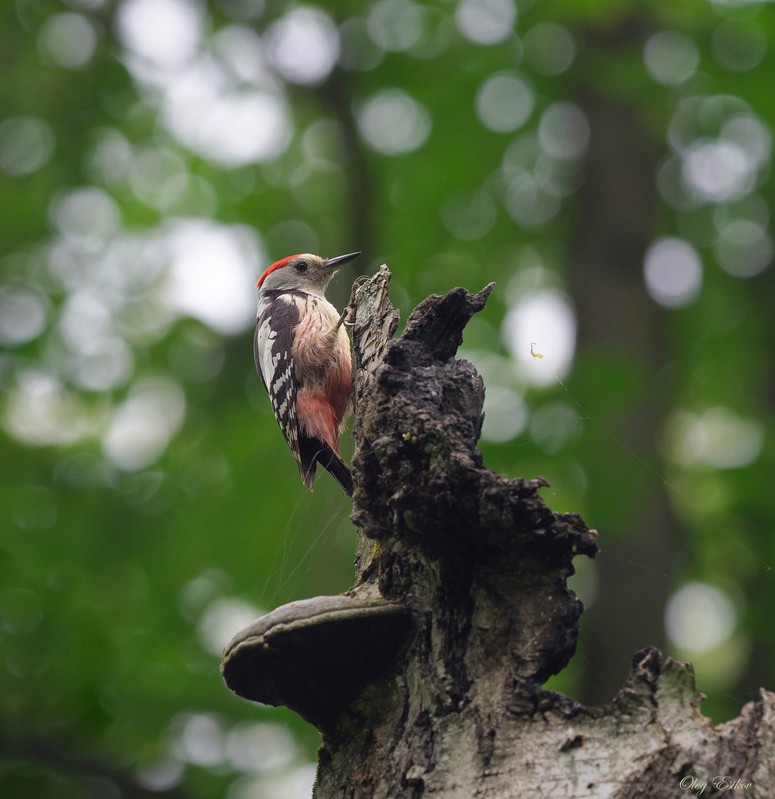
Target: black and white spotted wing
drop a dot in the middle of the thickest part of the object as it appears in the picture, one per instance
(277, 316)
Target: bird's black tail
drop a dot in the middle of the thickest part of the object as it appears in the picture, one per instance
(313, 451)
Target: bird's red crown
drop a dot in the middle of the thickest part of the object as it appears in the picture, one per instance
(276, 265)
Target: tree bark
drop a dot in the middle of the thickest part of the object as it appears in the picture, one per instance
(425, 678)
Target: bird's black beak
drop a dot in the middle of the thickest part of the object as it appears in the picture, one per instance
(340, 260)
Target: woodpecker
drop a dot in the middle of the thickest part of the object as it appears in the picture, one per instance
(302, 354)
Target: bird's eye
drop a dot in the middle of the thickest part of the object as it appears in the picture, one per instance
(301, 266)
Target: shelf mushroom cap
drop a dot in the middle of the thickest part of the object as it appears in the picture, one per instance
(315, 655)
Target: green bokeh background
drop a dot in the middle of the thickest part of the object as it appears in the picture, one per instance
(119, 580)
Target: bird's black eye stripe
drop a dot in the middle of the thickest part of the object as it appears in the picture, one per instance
(301, 266)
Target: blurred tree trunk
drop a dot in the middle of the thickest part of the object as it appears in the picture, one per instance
(425, 678)
(622, 332)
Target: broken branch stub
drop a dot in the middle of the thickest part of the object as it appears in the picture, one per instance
(477, 551)
(374, 324)
(475, 559)
(425, 678)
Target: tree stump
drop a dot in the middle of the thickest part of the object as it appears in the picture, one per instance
(425, 678)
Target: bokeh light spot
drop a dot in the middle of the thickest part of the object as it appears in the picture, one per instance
(231, 125)
(486, 21)
(295, 783)
(92, 355)
(469, 217)
(303, 45)
(39, 412)
(68, 40)
(673, 272)
(152, 170)
(394, 123)
(144, 424)
(549, 48)
(221, 620)
(527, 201)
(241, 50)
(739, 44)
(504, 102)
(199, 739)
(211, 273)
(167, 33)
(26, 144)
(505, 414)
(358, 50)
(699, 617)
(258, 747)
(717, 438)
(744, 248)
(23, 314)
(717, 170)
(752, 135)
(88, 216)
(163, 775)
(671, 57)
(546, 318)
(395, 24)
(563, 131)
